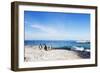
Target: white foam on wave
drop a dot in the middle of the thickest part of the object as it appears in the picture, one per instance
(77, 48)
(80, 49)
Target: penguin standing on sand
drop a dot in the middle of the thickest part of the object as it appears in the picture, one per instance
(45, 47)
(40, 46)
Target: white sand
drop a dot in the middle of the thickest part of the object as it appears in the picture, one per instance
(35, 54)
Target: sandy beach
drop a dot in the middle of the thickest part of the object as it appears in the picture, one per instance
(34, 53)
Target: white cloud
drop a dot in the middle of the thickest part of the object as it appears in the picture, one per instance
(48, 33)
(51, 33)
(45, 36)
(45, 28)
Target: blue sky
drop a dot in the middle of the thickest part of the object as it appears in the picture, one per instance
(56, 26)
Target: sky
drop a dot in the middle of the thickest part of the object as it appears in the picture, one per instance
(56, 26)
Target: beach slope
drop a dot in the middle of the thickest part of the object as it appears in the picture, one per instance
(33, 53)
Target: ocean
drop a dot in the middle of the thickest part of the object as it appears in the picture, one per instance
(58, 43)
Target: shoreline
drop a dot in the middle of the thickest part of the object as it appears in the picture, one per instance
(34, 53)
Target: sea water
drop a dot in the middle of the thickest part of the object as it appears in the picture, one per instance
(58, 43)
